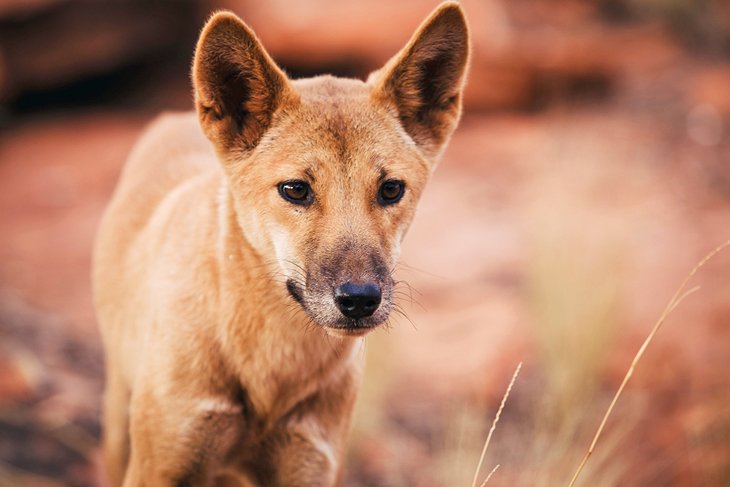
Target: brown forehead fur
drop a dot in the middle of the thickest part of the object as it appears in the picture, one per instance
(339, 113)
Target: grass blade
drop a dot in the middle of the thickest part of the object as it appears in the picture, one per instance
(678, 297)
(494, 425)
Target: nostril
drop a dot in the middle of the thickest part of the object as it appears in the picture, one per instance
(347, 303)
(357, 300)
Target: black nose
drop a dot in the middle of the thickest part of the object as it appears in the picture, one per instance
(357, 300)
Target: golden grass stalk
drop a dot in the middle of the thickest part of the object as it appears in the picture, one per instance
(484, 484)
(678, 297)
(494, 425)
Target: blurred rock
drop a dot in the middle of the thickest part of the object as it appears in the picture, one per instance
(711, 86)
(21, 376)
(49, 44)
(23, 7)
(354, 38)
(524, 55)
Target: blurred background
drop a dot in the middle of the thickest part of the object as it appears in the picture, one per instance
(590, 172)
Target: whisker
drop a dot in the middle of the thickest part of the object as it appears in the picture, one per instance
(416, 269)
(409, 286)
(399, 292)
(398, 310)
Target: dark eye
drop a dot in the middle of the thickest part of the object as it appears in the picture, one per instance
(297, 192)
(390, 192)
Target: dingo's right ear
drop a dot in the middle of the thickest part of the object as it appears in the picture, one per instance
(237, 85)
(424, 81)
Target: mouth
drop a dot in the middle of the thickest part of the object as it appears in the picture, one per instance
(344, 332)
(324, 310)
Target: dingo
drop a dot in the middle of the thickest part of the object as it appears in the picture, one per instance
(238, 266)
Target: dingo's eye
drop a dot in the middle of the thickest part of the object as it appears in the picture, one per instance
(390, 192)
(297, 192)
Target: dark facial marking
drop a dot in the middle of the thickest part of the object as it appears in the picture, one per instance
(379, 266)
(294, 291)
(383, 174)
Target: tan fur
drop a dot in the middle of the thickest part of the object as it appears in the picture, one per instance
(217, 374)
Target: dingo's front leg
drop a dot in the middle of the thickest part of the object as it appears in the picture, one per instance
(307, 448)
(299, 456)
(179, 440)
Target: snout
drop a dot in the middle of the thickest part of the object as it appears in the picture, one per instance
(348, 290)
(356, 301)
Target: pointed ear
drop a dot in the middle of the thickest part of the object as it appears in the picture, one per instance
(238, 87)
(424, 81)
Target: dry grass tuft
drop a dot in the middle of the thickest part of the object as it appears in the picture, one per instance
(494, 426)
(490, 475)
(678, 297)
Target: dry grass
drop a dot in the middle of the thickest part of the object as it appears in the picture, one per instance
(489, 476)
(678, 297)
(574, 324)
(574, 289)
(494, 426)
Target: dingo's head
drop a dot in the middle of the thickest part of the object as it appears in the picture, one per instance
(325, 172)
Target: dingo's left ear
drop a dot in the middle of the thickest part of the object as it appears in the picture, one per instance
(424, 81)
(238, 87)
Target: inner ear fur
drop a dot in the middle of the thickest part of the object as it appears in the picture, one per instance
(238, 87)
(424, 81)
